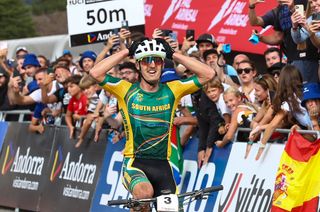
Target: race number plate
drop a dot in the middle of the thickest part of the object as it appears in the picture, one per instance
(168, 203)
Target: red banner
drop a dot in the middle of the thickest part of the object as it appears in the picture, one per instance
(227, 20)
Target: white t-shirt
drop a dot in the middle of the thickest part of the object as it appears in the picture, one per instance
(303, 117)
(36, 96)
(103, 97)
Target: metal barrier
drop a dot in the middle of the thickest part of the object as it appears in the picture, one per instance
(20, 113)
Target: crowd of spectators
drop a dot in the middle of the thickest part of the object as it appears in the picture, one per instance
(287, 95)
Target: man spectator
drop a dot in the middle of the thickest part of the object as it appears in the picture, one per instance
(72, 67)
(21, 51)
(4, 101)
(128, 72)
(206, 42)
(31, 65)
(87, 61)
(272, 55)
(237, 59)
(225, 72)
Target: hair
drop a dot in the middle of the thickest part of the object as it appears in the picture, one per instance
(267, 82)
(289, 90)
(46, 59)
(60, 66)
(75, 79)
(41, 70)
(233, 90)
(273, 49)
(128, 65)
(251, 63)
(87, 81)
(195, 54)
(213, 83)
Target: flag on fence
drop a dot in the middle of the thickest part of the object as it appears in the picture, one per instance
(297, 185)
(176, 158)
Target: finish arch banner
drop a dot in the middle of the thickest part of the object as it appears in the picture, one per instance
(227, 20)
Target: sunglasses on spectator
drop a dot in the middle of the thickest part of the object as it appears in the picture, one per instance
(148, 60)
(245, 70)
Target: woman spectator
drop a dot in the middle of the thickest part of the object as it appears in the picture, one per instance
(247, 71)
(286, 106)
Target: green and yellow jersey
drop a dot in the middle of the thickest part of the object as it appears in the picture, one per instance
(148, 116)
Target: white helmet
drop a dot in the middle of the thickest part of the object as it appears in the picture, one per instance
(150, 48)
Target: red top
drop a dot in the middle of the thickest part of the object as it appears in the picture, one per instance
(78, 106)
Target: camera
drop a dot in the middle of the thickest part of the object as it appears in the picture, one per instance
(125, 24)
(190, 33)
(316, 16)
(166, 32)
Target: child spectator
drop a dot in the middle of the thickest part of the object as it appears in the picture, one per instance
(214, 90)
(77, 108)
(242, 114)
(93, 99)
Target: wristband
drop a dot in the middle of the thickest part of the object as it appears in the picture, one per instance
(252, 6)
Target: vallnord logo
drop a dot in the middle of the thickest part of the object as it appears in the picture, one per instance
(174, 7)
(57, 164)
(91, 37)
(8, 159)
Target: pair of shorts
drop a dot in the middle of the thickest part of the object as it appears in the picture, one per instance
(156, 172)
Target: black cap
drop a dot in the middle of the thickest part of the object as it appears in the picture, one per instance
(209, 38)
(276, 67)
(208, 52)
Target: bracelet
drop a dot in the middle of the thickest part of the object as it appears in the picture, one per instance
(261, 145)
(250, 142)
(252, 6)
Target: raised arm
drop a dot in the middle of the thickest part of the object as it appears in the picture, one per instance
(99, 71)
(203, 71)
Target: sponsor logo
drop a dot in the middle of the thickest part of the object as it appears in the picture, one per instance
(184, 12)
(246, 198)
(91, 37)
(76, 171)
(20, 163)
(8, 159)
(233, 9)
(57, 164)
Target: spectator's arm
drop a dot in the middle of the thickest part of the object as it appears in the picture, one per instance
(253, 18)
(273, 39)
(68, 119)
(313, 30)
(35, 126)
(272, 126)
(106, 49)
(14, 93)
(185, 120)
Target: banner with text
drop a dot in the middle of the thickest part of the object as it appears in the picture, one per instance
(3, 131)
(24, 160)
(227, 20)
(249, 183)
(93, 21)
(73, 173)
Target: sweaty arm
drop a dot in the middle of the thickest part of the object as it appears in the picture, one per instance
(201, 70)
(99, 71)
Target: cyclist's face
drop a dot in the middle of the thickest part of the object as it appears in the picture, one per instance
(150, 68)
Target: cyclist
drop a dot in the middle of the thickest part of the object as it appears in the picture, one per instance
(148, 109)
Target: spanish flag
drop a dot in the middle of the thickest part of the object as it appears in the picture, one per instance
(297, 186)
